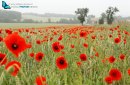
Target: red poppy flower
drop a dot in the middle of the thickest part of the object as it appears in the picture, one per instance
(15, 43)
(63, 52)
(27, 36)
(128, 71)
(79, 63)
(1, 39)
(60, 38)
(118, 26)
(55, 33)
(83, 57)
(115, 74)
(29, 45)
(126, 32)
(108, 80)
(38, 42)
(62, 47)
(40, 80)
(83, 33)
(61, 63)
(117, 40)
(110, 35)
(85, 45)
(56, 47)
(51, 38)
(3, 59)
(27, 30)
(103, 60)
(8, 31)
(19, 30)
(115, 28)
(124, 41)
(122, 56)
(97, 54)
(31, 54)
(39, 56)
(72, 46)
(0, 31)
(93, 37)
(15, 65)
(112, 59)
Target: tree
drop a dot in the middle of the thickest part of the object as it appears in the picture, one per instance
(102, 19)
(49, 20)
(110, 12)
(82, 13)
(28, 21)
(10, 16)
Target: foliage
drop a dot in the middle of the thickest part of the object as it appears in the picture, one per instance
(110, 12)
(82, 13)
(101, 20)
(10, 16)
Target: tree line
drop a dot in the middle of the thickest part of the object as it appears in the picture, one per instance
(82, 16)
(108, 15)
(16, 17)
(10, 16)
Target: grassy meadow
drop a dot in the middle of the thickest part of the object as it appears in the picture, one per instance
(106, 47)
(29, 25)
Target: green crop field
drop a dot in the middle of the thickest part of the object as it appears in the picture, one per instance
(28, 25)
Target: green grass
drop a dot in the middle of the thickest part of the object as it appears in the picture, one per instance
(91, 72)
(29, 25)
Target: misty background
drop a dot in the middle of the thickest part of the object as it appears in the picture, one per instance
(62, 11)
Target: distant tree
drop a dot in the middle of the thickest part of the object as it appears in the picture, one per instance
(49, 20)
(82, 13)
(102, 19)
(10, 16)
(29, 21)
(62, 20)
(68, 21)
(110, 12)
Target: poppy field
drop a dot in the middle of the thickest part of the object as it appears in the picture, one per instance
(65, 55)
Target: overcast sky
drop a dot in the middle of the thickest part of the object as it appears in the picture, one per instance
(96, 7)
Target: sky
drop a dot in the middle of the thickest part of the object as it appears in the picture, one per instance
(96, 7)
